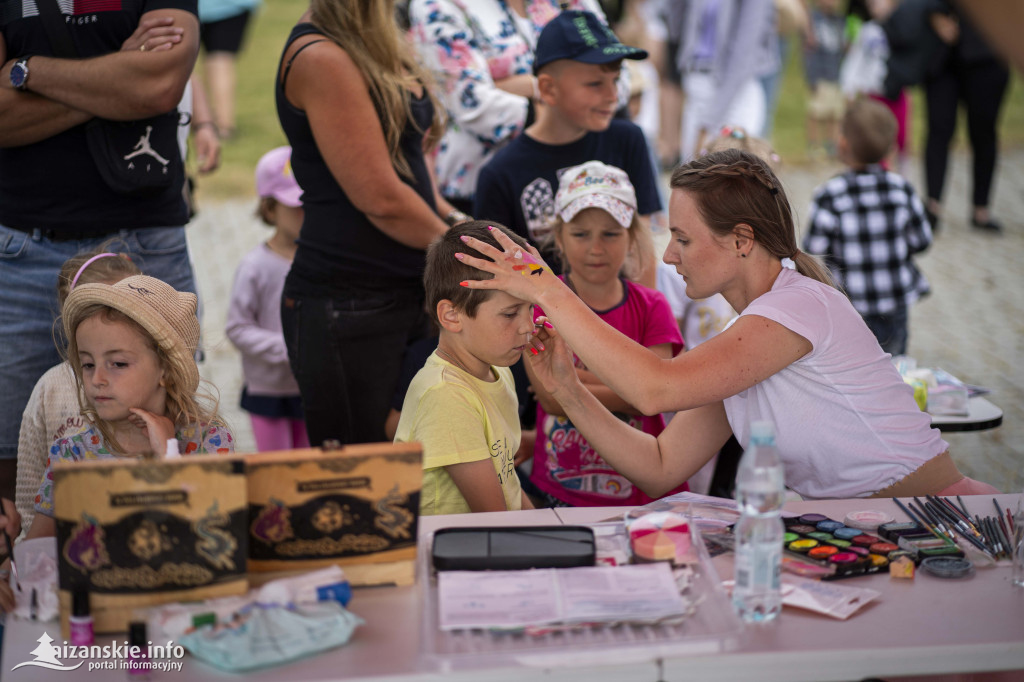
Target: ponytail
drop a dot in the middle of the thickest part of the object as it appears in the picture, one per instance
(811, 266)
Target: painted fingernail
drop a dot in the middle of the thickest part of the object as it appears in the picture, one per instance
(533, 350)
(542, 347)
(460, 256)
(548, 325)
(464, 238)
(463, 283)
(491, 227)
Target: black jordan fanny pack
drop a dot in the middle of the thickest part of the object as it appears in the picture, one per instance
(136, 157)
(132, 157)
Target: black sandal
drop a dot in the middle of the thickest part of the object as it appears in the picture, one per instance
(989, 225)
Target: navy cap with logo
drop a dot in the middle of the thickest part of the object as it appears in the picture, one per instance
(581, 37)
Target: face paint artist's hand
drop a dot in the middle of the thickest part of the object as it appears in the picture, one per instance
(551, 359)
(517, 271)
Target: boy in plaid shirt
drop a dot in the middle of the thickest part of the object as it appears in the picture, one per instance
(868, 223)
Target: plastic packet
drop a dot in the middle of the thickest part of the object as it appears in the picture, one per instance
(829, 598)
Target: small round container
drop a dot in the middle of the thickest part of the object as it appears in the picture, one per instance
(846, 533)
(803, 546)
(948, 567)
(823, 552)
(859, 551)
(842, 544)
(813, 519)
(802, 528)
(869, 519)
(821, 536)
(829, 525)
(843, 558)
(883, 548)
(878, 560)
(864, 540)
(789, 537)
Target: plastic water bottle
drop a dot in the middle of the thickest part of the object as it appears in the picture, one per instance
(760, 492)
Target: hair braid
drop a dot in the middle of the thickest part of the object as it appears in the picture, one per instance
(722, 184)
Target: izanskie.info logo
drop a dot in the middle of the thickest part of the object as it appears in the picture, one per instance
(113, 656)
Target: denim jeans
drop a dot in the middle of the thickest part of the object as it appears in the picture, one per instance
(346, 354)
(890, 329)
(29, 264)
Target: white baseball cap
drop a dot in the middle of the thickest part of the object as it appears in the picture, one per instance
(596, 185)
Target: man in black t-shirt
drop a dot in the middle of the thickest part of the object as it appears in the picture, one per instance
(136, 57)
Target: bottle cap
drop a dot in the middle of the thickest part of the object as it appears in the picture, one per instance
(80, 603)
(762, 431)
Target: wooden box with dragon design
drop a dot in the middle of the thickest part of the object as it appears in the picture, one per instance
(144, 532)
(356, 507)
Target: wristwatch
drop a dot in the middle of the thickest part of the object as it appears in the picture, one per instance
(19, 74)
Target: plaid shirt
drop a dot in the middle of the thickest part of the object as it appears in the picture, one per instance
(868, 224)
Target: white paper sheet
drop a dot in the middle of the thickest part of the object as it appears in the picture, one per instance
(514, 599)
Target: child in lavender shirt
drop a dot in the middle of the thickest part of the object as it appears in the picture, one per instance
(270, 394)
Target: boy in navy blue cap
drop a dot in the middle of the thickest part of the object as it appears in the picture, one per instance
(577, 63)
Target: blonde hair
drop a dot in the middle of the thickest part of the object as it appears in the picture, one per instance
(183, 407)
(731, 187)
(101, 270)
(368, 32)
(736, 137)
(641, 248)
(870, 130)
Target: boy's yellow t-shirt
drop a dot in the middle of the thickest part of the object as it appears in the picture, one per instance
(459, 418)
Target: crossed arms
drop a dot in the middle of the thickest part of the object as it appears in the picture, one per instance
(124, 85)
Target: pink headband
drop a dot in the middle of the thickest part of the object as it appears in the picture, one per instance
(87, 264)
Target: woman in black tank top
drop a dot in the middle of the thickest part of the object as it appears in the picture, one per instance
(357, 115)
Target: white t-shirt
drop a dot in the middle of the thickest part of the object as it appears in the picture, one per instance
(846, 423)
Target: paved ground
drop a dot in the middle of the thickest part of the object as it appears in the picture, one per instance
(972, 325)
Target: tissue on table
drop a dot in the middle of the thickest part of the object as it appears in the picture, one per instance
(259, 635)
(173, 621)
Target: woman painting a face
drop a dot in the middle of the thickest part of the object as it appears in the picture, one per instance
(798, 355)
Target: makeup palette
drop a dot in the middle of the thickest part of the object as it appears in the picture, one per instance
(829, 543)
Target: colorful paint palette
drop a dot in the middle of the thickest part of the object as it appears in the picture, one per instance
(829, 543)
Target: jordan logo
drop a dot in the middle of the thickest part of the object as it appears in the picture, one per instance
(143, 147)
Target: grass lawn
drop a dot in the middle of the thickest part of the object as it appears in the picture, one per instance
(259, 131)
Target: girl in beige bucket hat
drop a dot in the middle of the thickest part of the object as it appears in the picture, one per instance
(132, 347)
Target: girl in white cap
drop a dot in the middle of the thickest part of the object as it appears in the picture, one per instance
(599, 239)
(132, 347)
